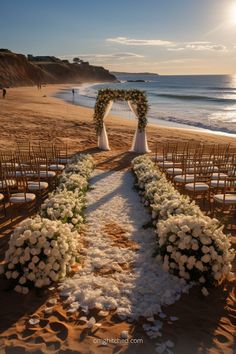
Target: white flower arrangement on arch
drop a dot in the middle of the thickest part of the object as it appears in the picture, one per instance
(190, 244)
(104, 96)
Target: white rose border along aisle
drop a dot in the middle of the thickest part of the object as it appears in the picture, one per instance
(190, 244)
(44, 248)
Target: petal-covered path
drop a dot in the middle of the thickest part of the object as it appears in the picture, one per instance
(119, 271)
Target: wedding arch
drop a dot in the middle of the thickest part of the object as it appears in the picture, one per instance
(138, 103)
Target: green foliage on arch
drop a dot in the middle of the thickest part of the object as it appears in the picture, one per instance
(104, 96)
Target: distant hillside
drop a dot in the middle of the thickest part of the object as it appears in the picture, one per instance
(134, 74)
(17, 70)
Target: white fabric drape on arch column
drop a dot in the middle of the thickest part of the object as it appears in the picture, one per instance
(103, 142)
(139, 143)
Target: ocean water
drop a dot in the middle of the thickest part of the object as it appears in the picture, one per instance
(199, 101)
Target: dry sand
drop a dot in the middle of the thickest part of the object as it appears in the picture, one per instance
(205, 325)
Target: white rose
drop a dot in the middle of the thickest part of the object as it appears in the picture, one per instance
(15, 274)
(202, 280)
(18, 251)
(31, 265)
(205, 249)
(19, 242)
(32, 239)
(74, 221)
(31, 276)
(25, 290)
(195, 246)
(27, 233)
(34, 251)
(169, 248)
(183, 259)
(204, 291)
(15, 260)
(172, 238)
(41, 265)
(199, 265)
(39, 283)
(56, 266)
(215, 268)
(8, 274)
(22, 280)
(206, 258)
(46, 281)
(52, 275)
(35, 259)
(53, 243)
(218, 275)
(18, 289)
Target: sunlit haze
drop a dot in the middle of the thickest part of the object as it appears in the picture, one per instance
(161, 36)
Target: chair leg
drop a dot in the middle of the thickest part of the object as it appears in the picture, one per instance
(4, 208)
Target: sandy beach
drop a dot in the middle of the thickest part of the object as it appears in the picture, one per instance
(205, 325)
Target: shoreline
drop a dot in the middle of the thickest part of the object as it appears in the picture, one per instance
(47, 116)
(158, 122)
(167, 121)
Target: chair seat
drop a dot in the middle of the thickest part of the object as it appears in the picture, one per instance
(45, 174)
(229, 198)
(1, 196)
(158, 158)
(36, 186)
(56, 167)
(53, 167)
(216, 183)
(64, 160)
(22, 198)
(174, 171)
(27, 174)
(193, 170)
(184, 178)
(165, 164)
(9, 164)
(218, 175)
(198, 186)
(214, 169)
(8, 182)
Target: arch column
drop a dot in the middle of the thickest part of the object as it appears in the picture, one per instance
(103, 142)
(139, 143)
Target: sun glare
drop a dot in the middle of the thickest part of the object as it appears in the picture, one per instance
(232, 14)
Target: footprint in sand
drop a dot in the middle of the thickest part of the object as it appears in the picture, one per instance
(221, 338)
(60, 329)
(14, 350)
(27, 333)
(13, 336)
(51, 346)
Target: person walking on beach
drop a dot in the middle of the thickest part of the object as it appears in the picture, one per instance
(73, 92)
(4, 92)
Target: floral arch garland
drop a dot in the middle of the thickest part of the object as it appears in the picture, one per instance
(136, 97)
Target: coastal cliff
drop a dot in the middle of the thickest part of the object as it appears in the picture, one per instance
(18, 70)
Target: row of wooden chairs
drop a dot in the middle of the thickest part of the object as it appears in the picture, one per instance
(204, 172)
(29, 172)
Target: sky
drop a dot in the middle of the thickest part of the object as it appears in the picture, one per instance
(169, 37)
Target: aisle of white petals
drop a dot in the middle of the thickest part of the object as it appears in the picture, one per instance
(113, 277)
